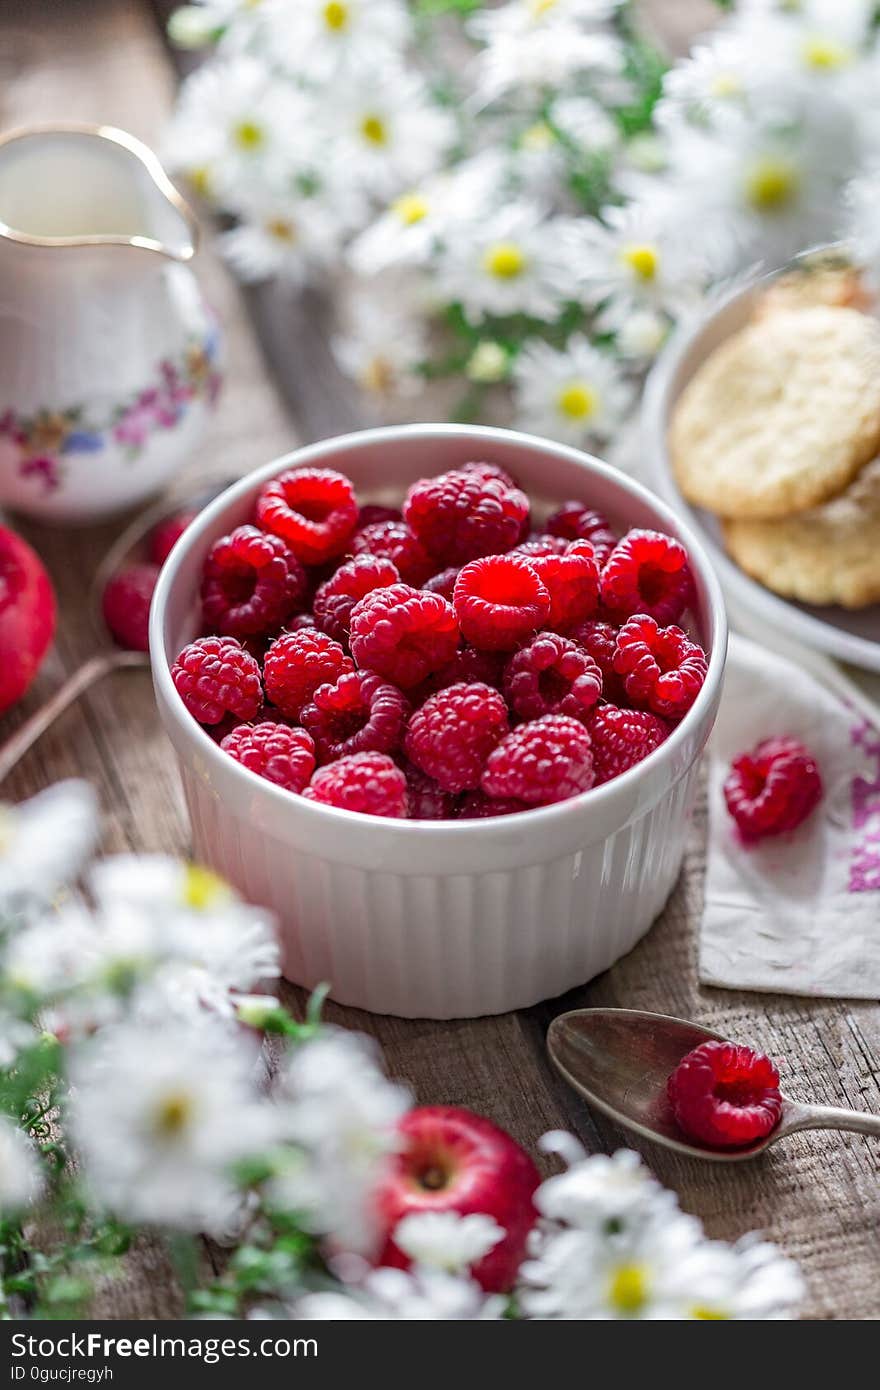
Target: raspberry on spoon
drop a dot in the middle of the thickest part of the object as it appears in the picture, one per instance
(724, 1095)
(772, 789)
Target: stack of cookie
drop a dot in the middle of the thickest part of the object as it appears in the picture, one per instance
(778, 434)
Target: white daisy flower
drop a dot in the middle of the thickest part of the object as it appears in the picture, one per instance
(629, 261)
(515, 262)
(401, 1295)
(410, 230)
(319, 38)
(761, 191)
(237, 127)
(160, 1115)
(446, 1239)
(292, 238)
(341, 1112)
(598, 1190)
(21, 1177)
(44, 843)
(206, 21)
(384, 339)
(574, 394)
(536, 44)
(715, 79)
(388, 135)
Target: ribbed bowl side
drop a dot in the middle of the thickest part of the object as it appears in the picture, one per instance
(451, 945)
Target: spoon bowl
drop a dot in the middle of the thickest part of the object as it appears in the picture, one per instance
(619, 1060)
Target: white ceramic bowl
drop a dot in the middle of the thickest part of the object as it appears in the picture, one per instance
(852, 636)
(443, 919)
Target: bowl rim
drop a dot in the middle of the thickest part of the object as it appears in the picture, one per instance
(320, 453)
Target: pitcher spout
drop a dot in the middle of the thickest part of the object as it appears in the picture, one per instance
(86, 185)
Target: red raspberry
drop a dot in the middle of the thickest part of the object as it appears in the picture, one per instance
(427, 799)
(484, 469)
(394, 541)
(478, 806)
(443, 583)
(469, 664)
(336, 598)
(647, 572)
(297, 663)
(599, 639)
(282, 755)
(772, 789)
(499, 601)
(251, 583)
(538, 546)
(164, 537)
(725, 1096)
(661, 667)
(572, 581)
(403, 633)
(544, 761)
(299, 622)
(372, 512)
(463, 515)
(313, 509)
(622, 738)
(360, 713)
(552, 675)
(215, 676)
(371, 783)
(576, 522)
(454, 732)
(125, 604)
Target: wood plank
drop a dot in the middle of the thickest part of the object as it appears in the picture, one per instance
(104, 59)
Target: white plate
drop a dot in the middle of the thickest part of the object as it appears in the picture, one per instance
(848, 636)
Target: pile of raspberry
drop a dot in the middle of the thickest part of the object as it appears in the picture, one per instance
(442, 661)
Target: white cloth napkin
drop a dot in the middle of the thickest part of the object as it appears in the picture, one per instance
(799, 914)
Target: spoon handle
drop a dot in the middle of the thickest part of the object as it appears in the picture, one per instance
(835, 1117)
(85, 676)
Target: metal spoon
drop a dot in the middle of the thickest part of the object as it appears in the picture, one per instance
(619, 1060)
(127, 548)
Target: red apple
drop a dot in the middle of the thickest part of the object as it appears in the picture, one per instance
(454, 1160)
(27, 616)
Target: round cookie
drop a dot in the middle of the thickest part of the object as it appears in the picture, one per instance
(828, 555)
(821, 282)
(782, 416)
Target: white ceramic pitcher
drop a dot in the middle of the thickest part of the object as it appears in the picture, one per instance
(108, 353)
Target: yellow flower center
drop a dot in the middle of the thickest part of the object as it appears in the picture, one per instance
(374, 130)
(335, 15)
(703, 1314)
(541, 7)
(577, 401)
(538, 137)
(642, 259)
(505, 260)
(173, 1113)
(281, 229)
(248, 135)
(628, 1292)
(377, 375)
(725, 84)
(202, 888)
(771, 184)
(825, 54)
(200, 178)
(410, 208)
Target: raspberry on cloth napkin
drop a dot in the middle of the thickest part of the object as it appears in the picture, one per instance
(796, 913)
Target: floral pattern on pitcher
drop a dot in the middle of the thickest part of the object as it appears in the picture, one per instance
(46, 437)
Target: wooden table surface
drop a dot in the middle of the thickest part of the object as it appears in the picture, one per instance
(817, 1195)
